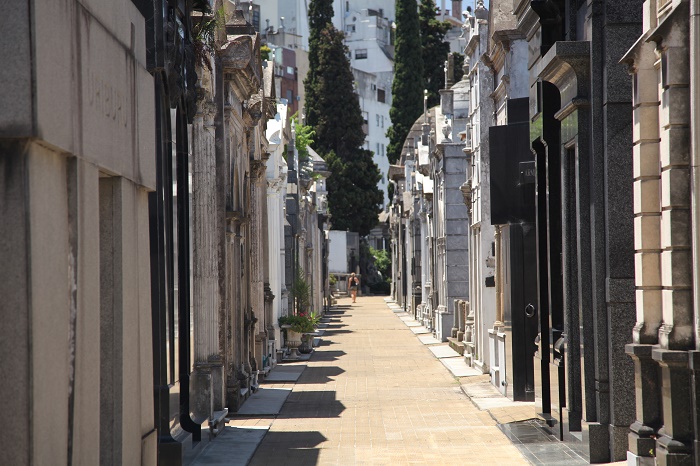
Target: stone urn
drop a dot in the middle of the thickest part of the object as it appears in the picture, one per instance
(307, 343)
(293, 341)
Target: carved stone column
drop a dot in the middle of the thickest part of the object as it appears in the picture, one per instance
(647, 232)
(257, 172)
(208, 378)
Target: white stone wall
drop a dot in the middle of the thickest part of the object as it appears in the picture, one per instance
(77, 108)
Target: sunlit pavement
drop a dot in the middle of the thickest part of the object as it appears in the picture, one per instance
(372, 393)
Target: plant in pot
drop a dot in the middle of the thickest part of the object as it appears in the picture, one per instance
(299, 329)
(300, 325)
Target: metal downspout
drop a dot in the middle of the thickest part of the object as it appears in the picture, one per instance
(694, 43)
(695, 156)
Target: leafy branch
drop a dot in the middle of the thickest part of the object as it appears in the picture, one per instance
(205, 32)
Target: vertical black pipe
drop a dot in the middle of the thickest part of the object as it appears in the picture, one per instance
(183, 286)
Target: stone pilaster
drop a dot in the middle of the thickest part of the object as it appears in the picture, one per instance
(647, 245)
(208, 377)
(257, 256)
(675, 438)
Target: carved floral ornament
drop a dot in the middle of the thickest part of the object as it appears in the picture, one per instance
(257, 169)
(236, 53)
(240, 63)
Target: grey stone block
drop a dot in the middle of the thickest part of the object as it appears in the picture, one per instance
(455, 180)
(618, 230)
(456, 211)
(457, 290)
(14, 288)
(457, 227)
(458, 273)
(454, 196)
(457, 243)
(624, 11)
(16, 103)
(455, 165)
(599, 443)
(621, 320)
(618, 40)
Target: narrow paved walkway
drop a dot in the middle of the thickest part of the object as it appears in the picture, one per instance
(372, 393)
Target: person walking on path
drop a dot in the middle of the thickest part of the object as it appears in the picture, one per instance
(353, 285)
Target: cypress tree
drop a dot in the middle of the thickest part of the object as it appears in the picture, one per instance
(338, 119)
(320, 17)
(407, 88)
(353, 196)
(435, 50)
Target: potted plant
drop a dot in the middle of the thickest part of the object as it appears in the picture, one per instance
(302, 321)
(299, 327)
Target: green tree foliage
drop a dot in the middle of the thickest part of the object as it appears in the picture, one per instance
(435, 50)
(353, 196)
(382, 261)
(407, 88)
(265, 52)
(337, 117)
(333, 110)
(320, 17)
(459, 66)
(303, 139)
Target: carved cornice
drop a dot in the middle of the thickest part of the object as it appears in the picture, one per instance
(237, 216)
(467, 193)
(270, 107)
(254, 107)
(566, 60)
(257, 169)
(206, 109)
(240, 63)
(275, 185)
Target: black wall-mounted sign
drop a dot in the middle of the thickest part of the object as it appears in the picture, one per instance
(527, 173)
(512, 201)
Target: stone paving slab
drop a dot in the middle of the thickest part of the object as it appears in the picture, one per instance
(285, 373)
(443, 351)
(234, 446)
(458, 367)
(412, 323)
(374, 396)
(420, 330)
(428, 339)
(264, 402)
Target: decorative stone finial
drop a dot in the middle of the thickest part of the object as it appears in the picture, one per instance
(447, 130)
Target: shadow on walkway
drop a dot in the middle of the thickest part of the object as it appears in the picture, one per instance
(326, 356)
(320, 374)
(299, 448)
(308, 404)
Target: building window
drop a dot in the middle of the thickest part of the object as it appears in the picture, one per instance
(382, 150)
(382, 121)
(381, 95)
(378, 153)
(360, 54)
(349, 28)
(377, 119)
(347, 6)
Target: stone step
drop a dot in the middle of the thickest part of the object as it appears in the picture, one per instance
(456, 345)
